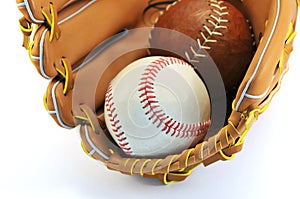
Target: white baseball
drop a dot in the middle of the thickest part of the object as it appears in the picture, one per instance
(156, 106)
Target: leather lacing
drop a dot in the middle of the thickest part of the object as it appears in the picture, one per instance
(222, 146)
(62, 66)
(51, 21)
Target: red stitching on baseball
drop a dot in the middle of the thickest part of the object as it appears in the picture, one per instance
(121, 136)
(155, 112)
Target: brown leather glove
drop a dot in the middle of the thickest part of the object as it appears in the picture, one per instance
(65, 48)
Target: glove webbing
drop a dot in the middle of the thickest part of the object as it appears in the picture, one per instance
(222, 146)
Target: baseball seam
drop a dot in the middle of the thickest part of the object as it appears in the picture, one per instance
(218, 21)
(154, 110)
(116, 127)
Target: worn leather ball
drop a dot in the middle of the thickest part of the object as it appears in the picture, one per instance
(218, 27)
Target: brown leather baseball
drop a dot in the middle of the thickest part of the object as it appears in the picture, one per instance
(219, 28)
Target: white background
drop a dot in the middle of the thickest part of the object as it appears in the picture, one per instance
(41, 160)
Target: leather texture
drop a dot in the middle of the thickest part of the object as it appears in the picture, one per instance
(66, 31)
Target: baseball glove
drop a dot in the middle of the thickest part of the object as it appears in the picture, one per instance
(80, 46)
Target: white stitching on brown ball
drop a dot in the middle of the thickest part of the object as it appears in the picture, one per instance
(218, 21)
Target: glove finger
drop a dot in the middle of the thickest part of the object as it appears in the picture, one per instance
(273, 30)
(92, 79)
(59, 94)
(78, 29)
(33, 9)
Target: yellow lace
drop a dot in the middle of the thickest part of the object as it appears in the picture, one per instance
(51, 21)
(289, 38)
